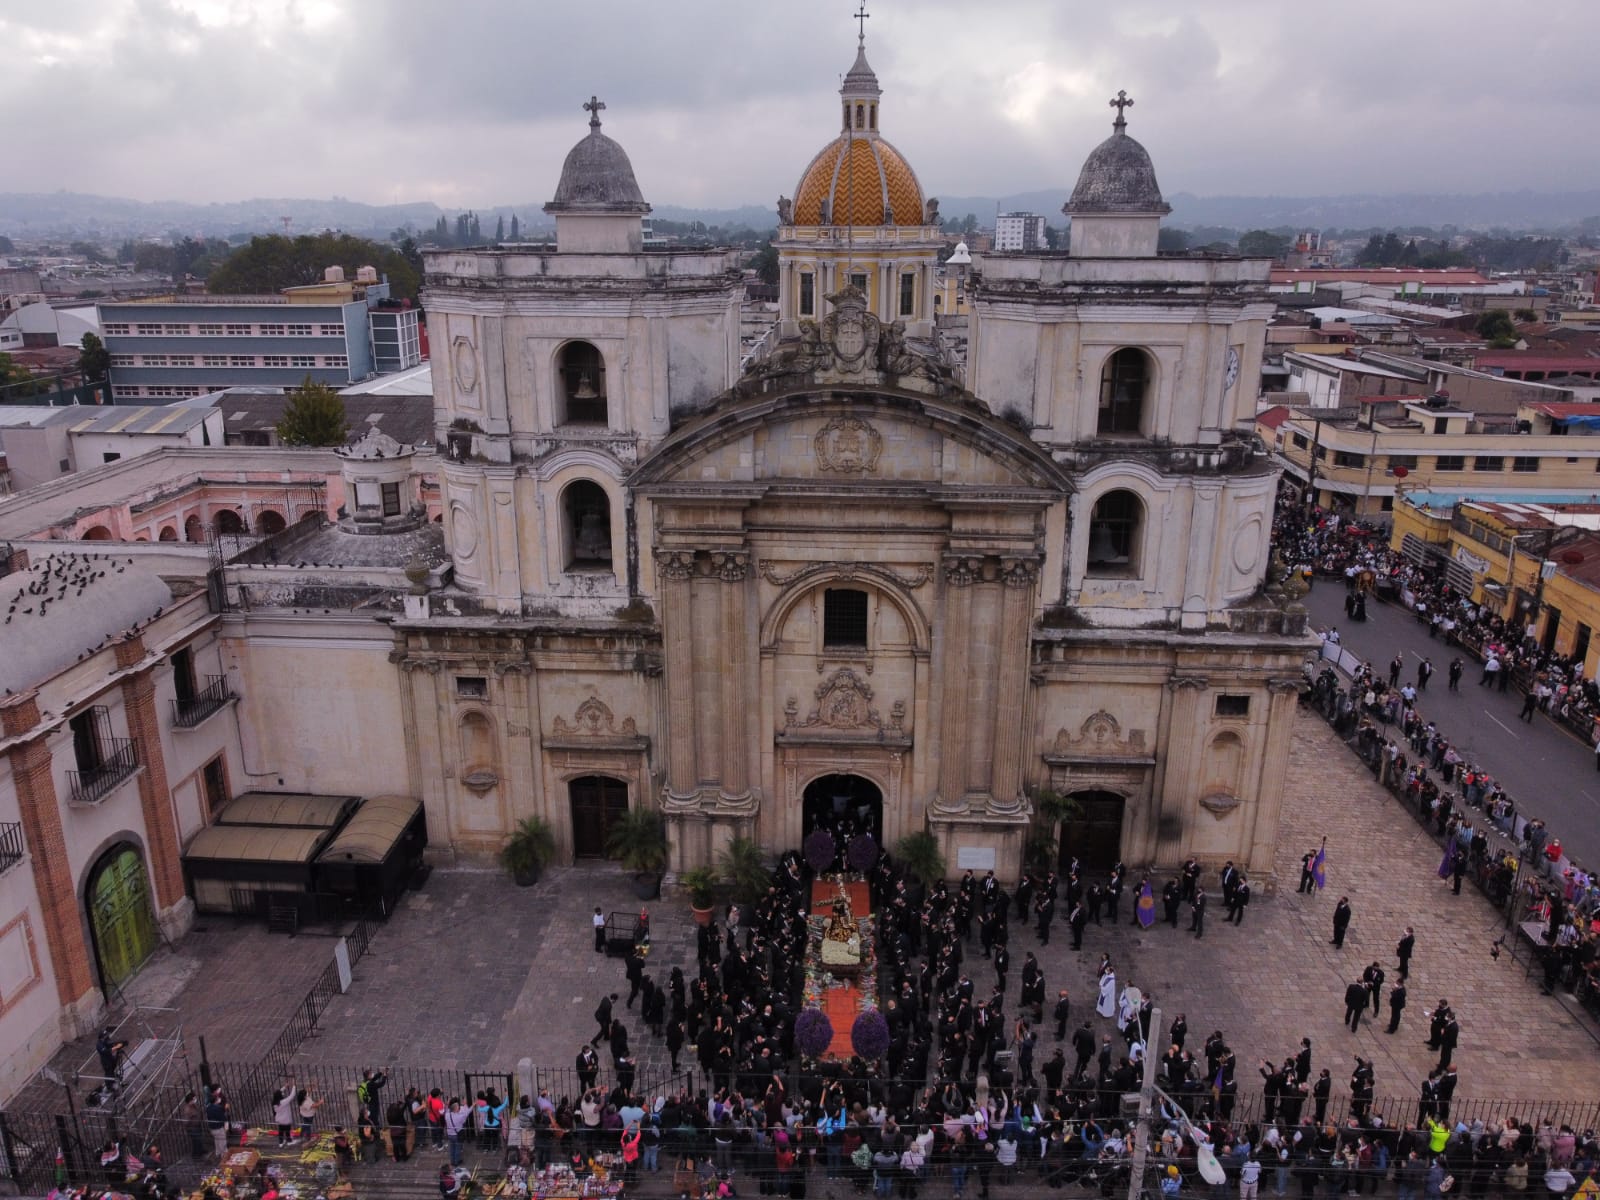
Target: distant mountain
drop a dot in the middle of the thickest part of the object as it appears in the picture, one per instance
(76, 215)
(1509, 210)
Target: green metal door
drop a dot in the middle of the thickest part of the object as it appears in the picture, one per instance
(119, 906)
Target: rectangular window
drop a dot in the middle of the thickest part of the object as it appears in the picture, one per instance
(209, 330)
(1441, 425)
(908, 294)
(214, 360)
(808, 294)
(181, 360)
(331, 330)
(115, 329)
(1300, 441)
(844, 617)
(109, 456)
(175, 330)
(302, 360)
(162, 390)
(274, 360)
(122, 360)
(1233, 706)
(298, 330)
(1348, 458)
(152, 360)
(90, 733)
(335, 360)
(241, 360)
(1450, 462)
(1527, 465)
(1408, 461)
(859, 280)
(238, 331)
(472, 687)
(1488, 462)
(147, 330)
(122, 393)
(391, 499)
(190, 391)
(271, 331)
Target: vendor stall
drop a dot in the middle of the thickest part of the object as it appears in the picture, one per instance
(244, 869)
(374, 857)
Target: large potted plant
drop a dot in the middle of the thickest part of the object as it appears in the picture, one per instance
(529, 851)
(920, 858)
(701, 884)
(743, 867)
(638, 840)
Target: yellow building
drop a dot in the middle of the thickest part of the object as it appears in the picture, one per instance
(1537, 566)
(1353, 458)
(859, 218)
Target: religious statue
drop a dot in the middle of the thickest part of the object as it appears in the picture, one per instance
(930, 214)
(895, 355)
(785, 211)
(841, 937)
(794, 356)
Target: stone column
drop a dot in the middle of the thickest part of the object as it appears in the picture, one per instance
(155, 796)
(1017, 577)
(677, 628)
(1268, 796)
(40, 814)
(733, 568)
(960, 574)
(1179, 761)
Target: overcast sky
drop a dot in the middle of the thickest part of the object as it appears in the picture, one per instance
(720, 103)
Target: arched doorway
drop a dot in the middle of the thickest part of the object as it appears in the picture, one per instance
(597, 802)
(230, 522)
(269, 522)
(1094, 836)
(844, 805)
(120, 915)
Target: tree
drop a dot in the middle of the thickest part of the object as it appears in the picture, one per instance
(516, 235)
(315, 416)
(94, 360)
(1173, 241)
(273, 262)
(7, 246)
(1052, 238)
(1496, 325)
(500, 229)
(1263, 243)
(765, 263)
(88, 250)
(16, 380)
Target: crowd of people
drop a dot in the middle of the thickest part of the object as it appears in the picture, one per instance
(1339, 549)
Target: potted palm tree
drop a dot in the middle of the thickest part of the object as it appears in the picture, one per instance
(701, 883)
(529, 851)
(638, 840)
(920, 858)
(743, 867)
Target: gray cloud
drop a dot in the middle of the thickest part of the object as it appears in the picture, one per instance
(477, 101)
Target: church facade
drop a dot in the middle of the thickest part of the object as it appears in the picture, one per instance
(851, 573)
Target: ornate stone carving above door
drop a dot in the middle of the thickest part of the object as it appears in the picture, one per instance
(1100, 736)
(593, 718)
(844, 708)
(848, 446)
(847, 571)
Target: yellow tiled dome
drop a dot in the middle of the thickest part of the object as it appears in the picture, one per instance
(863, 180)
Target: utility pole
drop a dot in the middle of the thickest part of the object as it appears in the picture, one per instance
(1538, 587)
(1147, 1095)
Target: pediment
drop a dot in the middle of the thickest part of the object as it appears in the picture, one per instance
(868, 439)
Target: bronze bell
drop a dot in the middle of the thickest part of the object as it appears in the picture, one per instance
(585, 389)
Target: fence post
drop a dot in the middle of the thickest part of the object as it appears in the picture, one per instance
(205, 1065)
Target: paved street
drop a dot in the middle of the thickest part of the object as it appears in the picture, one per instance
(1546, 770)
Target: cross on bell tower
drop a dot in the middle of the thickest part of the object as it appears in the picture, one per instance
(594, 105)
(1120, 102)
(862, 17)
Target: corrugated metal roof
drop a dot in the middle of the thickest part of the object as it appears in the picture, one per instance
(373, 831)
(287, 808)
(255, 843)
(171, 420)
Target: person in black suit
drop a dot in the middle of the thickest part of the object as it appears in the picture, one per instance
(1197, 913)
(1403, 949)
(1355, 1003)
(1341, 920)
(1397, 1004)
(1170, 899)
(1308, 881)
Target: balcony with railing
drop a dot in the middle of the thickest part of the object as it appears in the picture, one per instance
(11, 845)
(187, 712)
(119, 760)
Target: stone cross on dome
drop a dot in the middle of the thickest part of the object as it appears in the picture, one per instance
(862, 17)
(1120, 102)
(594, 105)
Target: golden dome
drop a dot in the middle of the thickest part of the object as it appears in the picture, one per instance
(862, 180)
